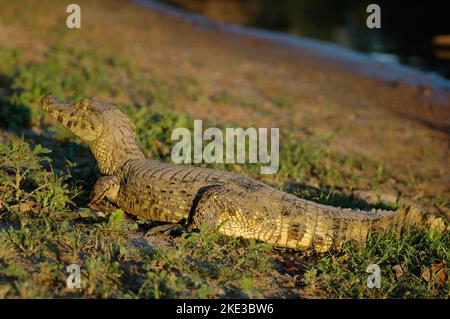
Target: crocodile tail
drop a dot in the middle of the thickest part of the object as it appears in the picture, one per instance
(405, 216)
(325, 227)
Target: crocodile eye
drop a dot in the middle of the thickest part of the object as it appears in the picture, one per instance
(84, 104)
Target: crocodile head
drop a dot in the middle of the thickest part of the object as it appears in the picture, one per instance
(87, 119)
(109, 133)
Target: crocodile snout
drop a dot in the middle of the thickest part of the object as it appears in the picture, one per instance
(52, 105)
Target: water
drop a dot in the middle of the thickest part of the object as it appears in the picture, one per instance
(405, 37)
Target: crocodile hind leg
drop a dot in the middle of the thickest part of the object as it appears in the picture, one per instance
(236, 213)
(251, 215)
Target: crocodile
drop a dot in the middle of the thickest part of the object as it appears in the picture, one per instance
(182, 194)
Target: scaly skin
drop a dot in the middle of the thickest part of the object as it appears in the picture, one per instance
(237, 205)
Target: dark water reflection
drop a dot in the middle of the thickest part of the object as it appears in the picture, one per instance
(405, 36)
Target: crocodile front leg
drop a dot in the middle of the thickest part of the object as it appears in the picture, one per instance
(105, 187)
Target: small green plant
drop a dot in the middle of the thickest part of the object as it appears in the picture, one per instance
(118, 221)
(283, 101)
(23, 161)
(25, 241)
(29, 180)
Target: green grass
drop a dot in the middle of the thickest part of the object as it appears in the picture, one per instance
(41, 234)
(343, 274)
